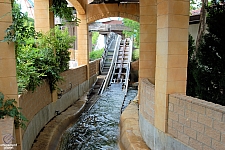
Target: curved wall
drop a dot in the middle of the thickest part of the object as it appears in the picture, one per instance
(95, 12)
(39, 107)
(192, 123)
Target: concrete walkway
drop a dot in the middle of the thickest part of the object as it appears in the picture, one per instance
(49, 137)
(130, 136)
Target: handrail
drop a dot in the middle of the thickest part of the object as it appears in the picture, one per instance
(110, 39)
(112, 64)
(127, 77)
(122, 59)
(128, 67)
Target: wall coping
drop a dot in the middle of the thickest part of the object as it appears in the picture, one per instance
(199, 102)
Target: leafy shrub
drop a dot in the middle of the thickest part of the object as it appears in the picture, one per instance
(191, 69)
(135, 55)
(95, 36)
(8, 108)
(43, 58)
(207, 68)
(133, 32)
(96, 54)
(39, 56)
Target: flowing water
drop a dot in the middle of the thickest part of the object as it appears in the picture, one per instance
(98, 129)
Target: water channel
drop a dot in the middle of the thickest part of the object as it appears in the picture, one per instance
(98, 128)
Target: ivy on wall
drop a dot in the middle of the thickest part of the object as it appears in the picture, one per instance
(39, 55)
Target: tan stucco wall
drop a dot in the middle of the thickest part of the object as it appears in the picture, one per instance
(99, 11)
(148, 21)
(42, 16)
(171, 55)
(8, 81)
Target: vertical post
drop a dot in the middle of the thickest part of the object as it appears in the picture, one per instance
(171, 55)
(82, 43)
(148, 26)
(44, 20)
(8, 81)
(90, 41)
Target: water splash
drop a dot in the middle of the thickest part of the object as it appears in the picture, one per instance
(98, 128)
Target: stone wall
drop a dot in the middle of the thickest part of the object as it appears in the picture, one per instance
(197, 123)
(39, 108)
(147, 100)
(192, 123)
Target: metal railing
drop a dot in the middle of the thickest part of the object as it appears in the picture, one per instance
(128, 67)
(107, 79)
(110, 39)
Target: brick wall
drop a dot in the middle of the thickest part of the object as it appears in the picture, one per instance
(197, 123)
(147, 100)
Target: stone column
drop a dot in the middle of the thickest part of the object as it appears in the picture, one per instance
(44, 20)
(82, 43)
(171, 55)
(147, 40)
(8, 81)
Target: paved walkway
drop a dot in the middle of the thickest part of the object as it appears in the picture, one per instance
(49, 137)
(130, 136)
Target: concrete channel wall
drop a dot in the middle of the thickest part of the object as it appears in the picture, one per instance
(41, 105)
(192, 123)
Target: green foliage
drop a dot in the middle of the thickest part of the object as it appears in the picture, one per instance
(209, 72)
(95, 36)
(59, 41)
(191, 69)
(60, 9)
(135, 55)
(134, 32)
(96, 54)
(44, 58)
(39, 56)
(20, 29)
(195, 4)
(8, 108)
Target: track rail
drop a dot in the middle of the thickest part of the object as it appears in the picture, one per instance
(119, 69)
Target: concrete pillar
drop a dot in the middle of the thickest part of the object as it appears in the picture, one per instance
(147, 40)
(8, 81)
(44, 19)
(82, 43)
(171, 55)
